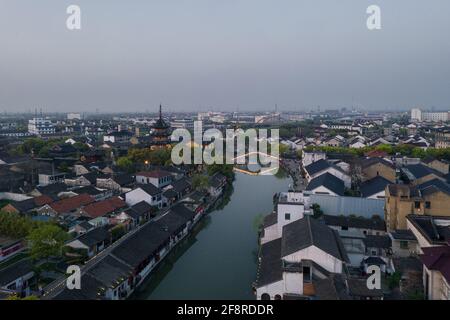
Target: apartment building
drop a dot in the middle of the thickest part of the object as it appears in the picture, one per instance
(429, 198)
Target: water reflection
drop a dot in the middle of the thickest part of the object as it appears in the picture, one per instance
(218, 260)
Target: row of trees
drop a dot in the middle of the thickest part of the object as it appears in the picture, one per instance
(201, 181)
(41, 148)
(38, 146)
(15, 226)
(137, 158)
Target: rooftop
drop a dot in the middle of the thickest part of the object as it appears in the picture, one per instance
(373, 186)
(355, 222)
(328, 181)
(438, 259)
(307, 232)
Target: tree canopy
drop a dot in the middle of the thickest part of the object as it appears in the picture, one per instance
(46, 241)
(225, 169)
(16, 226)
(200, 182)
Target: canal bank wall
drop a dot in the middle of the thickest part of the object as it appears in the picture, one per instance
(219, 258)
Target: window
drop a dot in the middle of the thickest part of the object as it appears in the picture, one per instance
(417, 204)
(265, 296)
(344, 228)
(287, 216)
(307, 277)
(404, 245)
(427, 204)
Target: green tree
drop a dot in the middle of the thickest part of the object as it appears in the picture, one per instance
(200, 182)
(16, 297)
(155, 157)
(394, 280)
(160, 157)
(118, 231)
(283, 149)
(317, 212)
(46, 241)
(30, 144)
(225, 169)
(64, 167)
(81, 146)
(15, 226)
(125, 163)
(258, 222)
(416, 295)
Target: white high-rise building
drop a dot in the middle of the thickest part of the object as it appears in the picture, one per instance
(73, 116)
(40, 126)
(419, 115)
(416, 114)
(435, 116)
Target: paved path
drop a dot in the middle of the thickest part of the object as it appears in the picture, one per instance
(293, 168)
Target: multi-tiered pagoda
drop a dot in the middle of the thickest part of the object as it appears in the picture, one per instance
(160, 133)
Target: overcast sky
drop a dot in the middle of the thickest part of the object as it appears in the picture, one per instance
(223, 55)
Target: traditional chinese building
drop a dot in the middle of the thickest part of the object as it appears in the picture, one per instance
(160, 133)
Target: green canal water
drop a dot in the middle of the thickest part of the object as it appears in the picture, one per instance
(218, 260)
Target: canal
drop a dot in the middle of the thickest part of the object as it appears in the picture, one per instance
(218, 260)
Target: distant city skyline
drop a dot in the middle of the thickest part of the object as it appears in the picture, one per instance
(232, 55)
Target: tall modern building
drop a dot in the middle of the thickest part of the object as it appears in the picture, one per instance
(73, 116)
(416, 114)
(419, 116)
(40, 126)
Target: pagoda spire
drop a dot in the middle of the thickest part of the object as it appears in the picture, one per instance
(160, 111)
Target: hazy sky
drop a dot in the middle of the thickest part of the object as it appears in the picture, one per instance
(223, 55)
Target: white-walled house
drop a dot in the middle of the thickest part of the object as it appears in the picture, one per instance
(357, 144)
(326, 184)
(291, 206)
(148, 193)
(374, 188)
(320, 167)
(309, 157)
(430, 231)
(287, 264)
(158, 178)
(92, 241)
(436, 275)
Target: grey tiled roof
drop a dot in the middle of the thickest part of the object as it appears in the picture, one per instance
(15, 271)
(355, 222)
(381, 241)
(373, 186)
(317, 166)
(307, 232)
(329, 181)
(417, 171)
(269, 270)
(270, 219)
